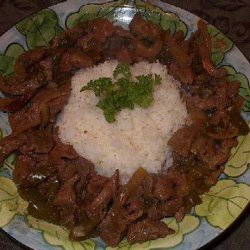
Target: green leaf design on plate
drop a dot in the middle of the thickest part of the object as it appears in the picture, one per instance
(224, 203)
(10, 201)
(9, 162)
(239, 161)
(40, 28)
(244, 90)
(58, 236)
(220, 44)
(7, 60)
(92, 11)
(187, 225)
(167, 20)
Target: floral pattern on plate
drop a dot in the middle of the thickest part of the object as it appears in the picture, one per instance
(221, 205)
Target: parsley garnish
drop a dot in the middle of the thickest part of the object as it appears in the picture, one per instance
(123, 92)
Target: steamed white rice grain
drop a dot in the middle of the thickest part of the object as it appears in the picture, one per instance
(138, 138)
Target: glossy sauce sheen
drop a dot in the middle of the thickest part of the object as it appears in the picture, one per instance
(64, 188)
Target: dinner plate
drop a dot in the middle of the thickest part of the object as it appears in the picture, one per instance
(221, 205)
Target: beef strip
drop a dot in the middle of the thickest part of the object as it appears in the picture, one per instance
(66, 195)
(181, 146)
(9, 144)
(38, 141)
(163, 189)
(23, 169)
(204, 46)
(109, 192)
(16, 86)
(112, 228)
(16, 104)
(101, 29)
(31, 57)
(159, 210)
(147, 229)
(32, 115)
(180, 67)
(95, 185)
(97, 209)
(74, 59)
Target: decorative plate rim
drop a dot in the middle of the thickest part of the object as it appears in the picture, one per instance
(234, 51)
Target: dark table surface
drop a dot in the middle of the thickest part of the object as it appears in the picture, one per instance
(230, 16)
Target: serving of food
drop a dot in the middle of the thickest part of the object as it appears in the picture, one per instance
(115, 129)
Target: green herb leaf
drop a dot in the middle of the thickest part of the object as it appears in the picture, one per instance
(123, 93)
(123, 69)
(157, 79)
(103, 84)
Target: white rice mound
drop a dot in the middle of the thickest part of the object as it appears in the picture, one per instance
(138, 138)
